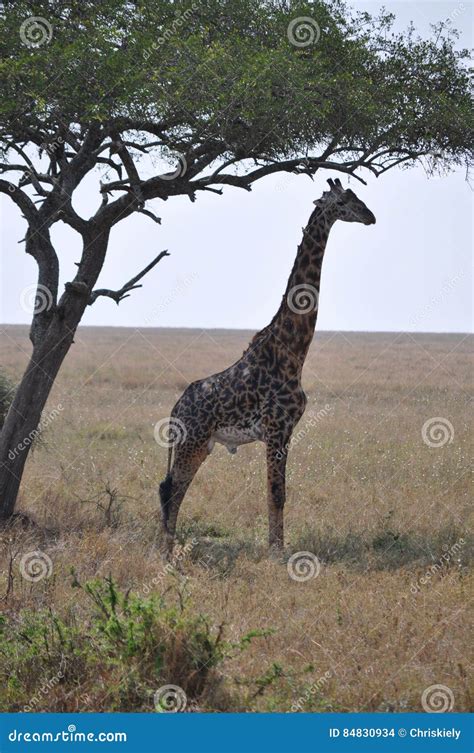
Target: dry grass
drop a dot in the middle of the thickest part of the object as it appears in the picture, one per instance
(366, 495)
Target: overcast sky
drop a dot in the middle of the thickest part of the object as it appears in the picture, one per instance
(231, 255)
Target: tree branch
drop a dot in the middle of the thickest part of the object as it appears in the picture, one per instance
(130, 168)
(112, 164)
(119, 295)
(6, 167)
(157, 187)
(150, 214)
(22, 200)
(308, 165)
(67, 214)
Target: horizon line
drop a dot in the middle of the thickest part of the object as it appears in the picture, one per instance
(253, 330)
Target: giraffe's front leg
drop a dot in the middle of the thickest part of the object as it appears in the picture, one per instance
(169, 516)
(188, 459)
(276, 470)
(180, 482)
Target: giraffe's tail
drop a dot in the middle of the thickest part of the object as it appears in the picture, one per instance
(170, 455)
(166, 488)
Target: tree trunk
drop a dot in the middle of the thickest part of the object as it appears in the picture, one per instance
(24, 415)
(51, 343)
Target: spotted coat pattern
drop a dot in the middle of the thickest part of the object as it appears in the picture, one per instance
(260, 397)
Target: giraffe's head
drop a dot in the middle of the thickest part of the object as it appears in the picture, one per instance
(348, 207)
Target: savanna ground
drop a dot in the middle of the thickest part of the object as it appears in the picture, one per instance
(378, 506)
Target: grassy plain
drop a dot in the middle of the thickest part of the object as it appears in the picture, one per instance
(378, 506)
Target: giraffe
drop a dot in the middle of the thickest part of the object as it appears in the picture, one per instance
(260, 397)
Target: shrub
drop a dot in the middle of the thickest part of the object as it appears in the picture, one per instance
(113, 656)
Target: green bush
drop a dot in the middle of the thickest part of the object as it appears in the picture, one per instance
(112, 651)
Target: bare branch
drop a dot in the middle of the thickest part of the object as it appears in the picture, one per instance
(116, 185)
(119, 295)
(156, 187)
(308, 165)
(35, 179)
(12, 167)
(112, 164)
(21, 199)
(30, 173)
(130, 168)
(132, 145)
(67, 214)
(150, 214)
(17, 148)
(218, 191)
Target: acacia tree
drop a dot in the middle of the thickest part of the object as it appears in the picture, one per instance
(228, 92)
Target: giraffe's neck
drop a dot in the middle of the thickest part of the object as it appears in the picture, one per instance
(295, 320)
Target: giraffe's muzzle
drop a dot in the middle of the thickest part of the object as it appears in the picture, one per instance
(370, 219)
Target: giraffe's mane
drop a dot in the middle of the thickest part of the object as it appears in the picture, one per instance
(320, 206)
(262, 334)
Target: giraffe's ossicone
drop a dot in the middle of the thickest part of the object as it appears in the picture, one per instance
(259, 397)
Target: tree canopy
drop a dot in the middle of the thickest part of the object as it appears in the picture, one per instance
(237, 88)
(226, 92)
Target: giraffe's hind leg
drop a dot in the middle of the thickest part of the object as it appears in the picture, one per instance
(187, 460)
(276, 471)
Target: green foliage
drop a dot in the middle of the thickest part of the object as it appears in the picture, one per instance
(112, 651)
(226, 71)
(118, 652)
